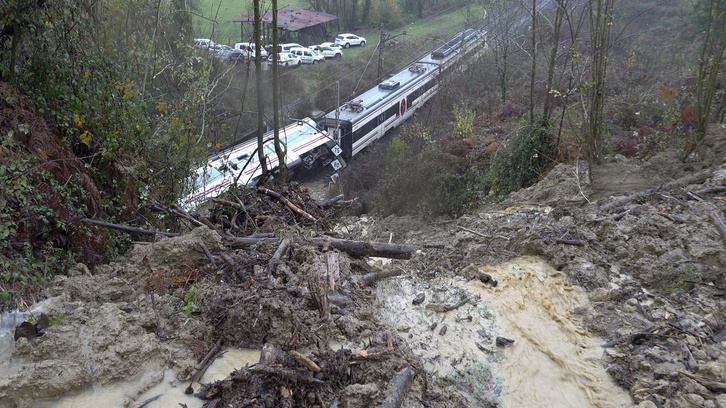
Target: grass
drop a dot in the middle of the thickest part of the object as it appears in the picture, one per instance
(214, 15)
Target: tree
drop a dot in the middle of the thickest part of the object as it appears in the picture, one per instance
(279, 149)
(710, 65)
(258, 86)
(601, 21)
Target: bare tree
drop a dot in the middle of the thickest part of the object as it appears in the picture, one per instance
(601, 21)
(258, 86)
(709, 66)
(280, 150)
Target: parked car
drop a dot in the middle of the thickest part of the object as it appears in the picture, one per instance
(248, 50)
(221, 51)
(332, 45)
(346, 40)
(203, 43)
(307, 56)
(328, 52)
(286, 59)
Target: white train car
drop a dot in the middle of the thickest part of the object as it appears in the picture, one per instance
(240, 164)
(378, 110)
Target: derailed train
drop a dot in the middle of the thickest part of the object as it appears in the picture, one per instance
(339, 134)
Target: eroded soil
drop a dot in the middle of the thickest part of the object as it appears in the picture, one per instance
(653, 279)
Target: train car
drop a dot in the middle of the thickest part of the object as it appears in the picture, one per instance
(368, 117)
(361, 122)
(240, 164)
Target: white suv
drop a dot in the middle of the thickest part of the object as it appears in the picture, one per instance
(307, 56)
(346, 40)
(328, 51)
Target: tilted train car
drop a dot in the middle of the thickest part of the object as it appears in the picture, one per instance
(240, 164)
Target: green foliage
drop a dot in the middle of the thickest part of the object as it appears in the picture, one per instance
(190, 305)
(519, 162)
(677, 280)
(463, 121)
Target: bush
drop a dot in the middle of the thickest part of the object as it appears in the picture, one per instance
(519, 162)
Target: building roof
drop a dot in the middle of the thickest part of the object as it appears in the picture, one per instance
(293, 20)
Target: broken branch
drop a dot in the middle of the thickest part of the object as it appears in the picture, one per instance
(719, 224)
(287, 202)
(369, 278)
(129, 229)
(366, 248)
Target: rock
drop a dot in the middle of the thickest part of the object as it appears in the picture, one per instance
(419, 299)
(709, 404)
(712, 369)
(647, 404)
(695, 399)
(721, 401)
(504, 342)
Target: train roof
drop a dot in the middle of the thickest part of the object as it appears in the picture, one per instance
(362, 105)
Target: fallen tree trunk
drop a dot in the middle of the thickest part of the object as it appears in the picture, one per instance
(236, 242)
(129, 229)
(692, 179)
(401, 384)
(365, 248)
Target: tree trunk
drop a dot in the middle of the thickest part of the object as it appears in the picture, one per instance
(280, 150)
(258, 86)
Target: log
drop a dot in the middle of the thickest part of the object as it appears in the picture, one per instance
(692, 179)
(207, 253)
(719, 224)
(182, 213)
(287, 202)
(710, 383)
(281, 249)
(129, 229)
(576, 242)
(329, 203)
(365, 248)
(369, 278)
(241, 242)
(305, 361)
(401, 384)
(614, 217)
(228, 203)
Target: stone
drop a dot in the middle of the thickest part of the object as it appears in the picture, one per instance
(695, 399)
(647, 404)
(721, 401)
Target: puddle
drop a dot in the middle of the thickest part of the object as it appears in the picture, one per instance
(553, 362)
(127, 393)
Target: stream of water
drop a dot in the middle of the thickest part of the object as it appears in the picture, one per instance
(553, 361)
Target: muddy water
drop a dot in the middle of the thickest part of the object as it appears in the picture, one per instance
(161, 385)
(553, 362)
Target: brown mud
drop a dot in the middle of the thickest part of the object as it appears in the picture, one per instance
(650, 285)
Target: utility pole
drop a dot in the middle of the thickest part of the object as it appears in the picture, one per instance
(385, 37)
(381, 45)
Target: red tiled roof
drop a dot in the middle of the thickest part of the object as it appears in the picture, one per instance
(293, 20)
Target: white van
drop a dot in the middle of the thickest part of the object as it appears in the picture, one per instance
(307, 56)
(287, 47)
(248, 50)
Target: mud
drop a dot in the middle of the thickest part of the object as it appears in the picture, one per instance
(649, 286)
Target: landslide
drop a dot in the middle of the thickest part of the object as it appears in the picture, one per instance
(653, 267)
